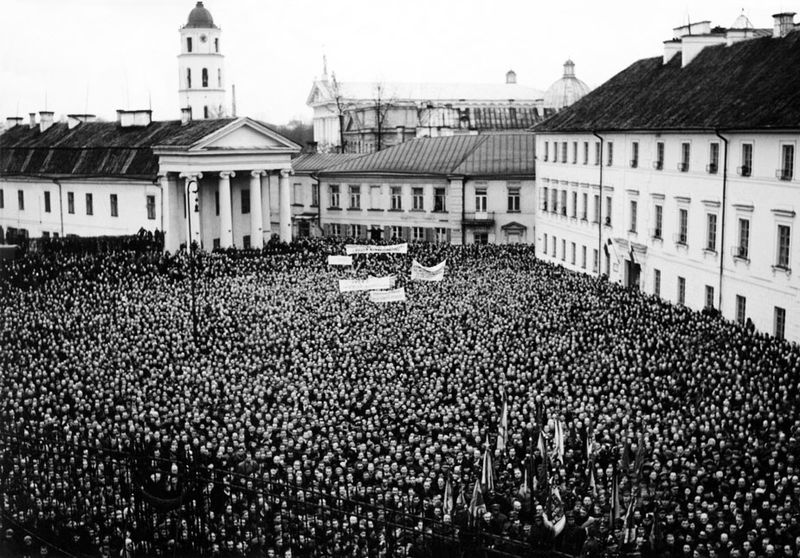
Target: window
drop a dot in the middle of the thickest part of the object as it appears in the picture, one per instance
(659, 218)
(709, 296)
(336, 229)
(746, 169)
(114, 205)
(89, 204)
(595, 260)
(246, 241)
(188, 44)
(397, 198)
(441, 235)
(779, 328)
(216, 45)
(480, 200)
(151, 207)
(438, 200)
(610, 154)
(45, 234)
(608, 266)
(659, 162)
(574, 204)
(480, 238)
(555, 240)
(573, 253)
(205, 77)
(657, 282)
(333, 194)
(597, 151)
(418, 233)
(315, 195)
(71, 203)
(787, 162)
(188, 78)
(583, 257)
(544, 250)
(743, 249)
(713, 158)
(2, 199)
(634, 216)
(608, 211)
(686, 150)
(586, 153)
(546, 150)
(397, 232)
(564, 151)
(215, 244)
(555, 152)
(711, 232)
(596, 208)
(741, 309)
(375, 197)
(245, 201)
(546, 192)
(513, 200)
(297, 193)
(683, 225)
(563, 250)
(574, 152)
(205, 111)
(216, 202)
(585, 199)
(355, 231)
(219, 77)
(418, 199)
(784, 241)
(47, 202)
(554, 200)
(681, 290)
(564, 203)
(355, 197)
(635, 154)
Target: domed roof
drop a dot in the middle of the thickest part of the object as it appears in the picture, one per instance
(200, 17)
(742, 22)
(566, 90)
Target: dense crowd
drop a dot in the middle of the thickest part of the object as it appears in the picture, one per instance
(301, 421)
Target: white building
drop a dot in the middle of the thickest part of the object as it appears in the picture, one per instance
(688, 162)
(201, 66)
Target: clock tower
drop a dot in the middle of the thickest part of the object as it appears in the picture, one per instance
(201, 79)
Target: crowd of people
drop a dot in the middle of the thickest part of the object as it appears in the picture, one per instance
(296, 420)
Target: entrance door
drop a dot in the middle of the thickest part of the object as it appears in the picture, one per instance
(632, 271)
(375, 233)
(303, 229)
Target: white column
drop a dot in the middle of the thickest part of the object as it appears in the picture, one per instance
(225, 214)
(192, 193)
(285, 205)
(256, 218)
(170, 243)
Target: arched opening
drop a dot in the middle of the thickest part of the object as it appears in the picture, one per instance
(216, 45)
(205, 77)
(205, 111)
(188, 44)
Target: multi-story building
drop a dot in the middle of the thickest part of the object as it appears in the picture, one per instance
(677, 176)
(459, 189)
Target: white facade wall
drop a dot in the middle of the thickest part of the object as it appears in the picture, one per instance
(762, 198)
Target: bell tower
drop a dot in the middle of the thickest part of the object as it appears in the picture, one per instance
(201, 66)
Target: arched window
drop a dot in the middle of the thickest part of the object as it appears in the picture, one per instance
(188, 78)
(219, 77)
(205, 111)
(188, 44)
(216, 45)
(205, 77)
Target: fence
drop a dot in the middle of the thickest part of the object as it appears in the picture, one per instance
(149, 505)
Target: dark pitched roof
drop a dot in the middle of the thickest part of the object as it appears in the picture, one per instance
(311, 162)
(96, 148)
(470, 155)
(753, 84)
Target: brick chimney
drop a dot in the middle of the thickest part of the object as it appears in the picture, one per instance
(186, 115)
(45, 120)
(75, 119)
(784, 24)
(32, 119)
(12, 121)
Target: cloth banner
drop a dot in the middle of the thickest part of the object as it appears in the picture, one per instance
(340, 260)
(368, 284)
(421, 273)
(395, 295)
(351, 249)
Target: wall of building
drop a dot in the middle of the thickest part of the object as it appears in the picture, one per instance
(497, 210)
(762, 198)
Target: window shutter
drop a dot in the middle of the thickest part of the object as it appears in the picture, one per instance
(387, 232)
(449, 236)
(327, 229)
(407, 233)
(428, 234)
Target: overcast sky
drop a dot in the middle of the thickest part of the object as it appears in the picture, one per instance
(101, 55)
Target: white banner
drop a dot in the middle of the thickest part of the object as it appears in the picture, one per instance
(368, 284)
(395, 295)
(370, 249)
(421, 273)
(340, 260)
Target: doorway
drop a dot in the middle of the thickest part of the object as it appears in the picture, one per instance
(632, 272)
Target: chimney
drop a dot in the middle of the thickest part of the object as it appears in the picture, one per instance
(45, 120)
(671, 48)
(12, 121)
(784, 24)
(400, 132)
(511, 77)
(130, 118)
(75, 119)
(32, 121)
(186, 115)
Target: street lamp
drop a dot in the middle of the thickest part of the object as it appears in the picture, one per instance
(192, 188)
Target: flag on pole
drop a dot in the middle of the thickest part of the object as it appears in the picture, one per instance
(541, 445)
(558, 441)
(639, 461)
(592, 480)
(502, 435)
(487, 473)
(589, 442)
(447, 505)
(626, 457)
(477, 506)
(461, 501)
(630, 528)
(615, 507)
(524, 491)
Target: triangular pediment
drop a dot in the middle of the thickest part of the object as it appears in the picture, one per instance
(319, 93)
(245, 134)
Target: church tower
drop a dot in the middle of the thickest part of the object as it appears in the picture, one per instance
(201, 85)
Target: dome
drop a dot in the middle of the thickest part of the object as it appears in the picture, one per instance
(566, 90)
(742, 22)
(200, 17)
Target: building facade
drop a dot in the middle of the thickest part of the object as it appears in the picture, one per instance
(454, 189)
(685, 188)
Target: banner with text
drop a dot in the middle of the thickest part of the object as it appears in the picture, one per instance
(340, 260)
(351, 249)
(395, 295)
(421, 273)
(368, 284)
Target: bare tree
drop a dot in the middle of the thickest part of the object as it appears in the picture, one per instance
(341, 108)
(381, 106)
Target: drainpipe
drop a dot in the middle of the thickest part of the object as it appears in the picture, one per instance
(319, 201)
(157, 182)
(463, 211)
(722, 217)
(60, 205)
(600, 212)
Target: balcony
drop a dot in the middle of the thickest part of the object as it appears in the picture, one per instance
(744, 170)
(479, 219)
(784, 174)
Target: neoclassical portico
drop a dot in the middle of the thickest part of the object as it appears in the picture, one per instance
(228, 189)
